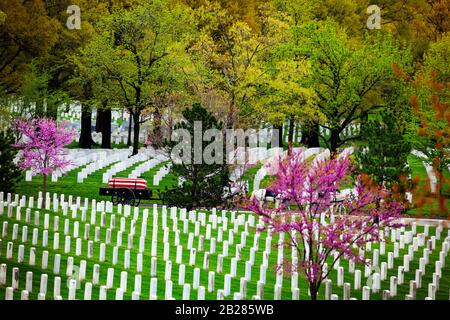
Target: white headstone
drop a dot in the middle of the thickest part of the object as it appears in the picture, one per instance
(87, 291)
(123, 280)
(211, 278)
(186, 291)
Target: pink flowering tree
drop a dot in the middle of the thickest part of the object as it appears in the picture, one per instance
(305, 216)
(42, 147)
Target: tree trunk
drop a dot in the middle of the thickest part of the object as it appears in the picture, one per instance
(313, 291)
(335, 140)
(310, 135)
(86, 141)
(305, 134)
(106, 129)
(99, 121)
(291, 133)
(230, 117)
(157, 130)
(136, 133)
(129, 128)
(313, 141)
(44, 190)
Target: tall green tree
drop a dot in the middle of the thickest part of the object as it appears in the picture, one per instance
(346, 78)
(129, 47)
(230, 55)
(284, 94)
(386, 148)
(203, 181)
(36, 98)
(9, 172)
(60, 65)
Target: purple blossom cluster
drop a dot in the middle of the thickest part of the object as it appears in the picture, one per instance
(306, 214)
(42, 145)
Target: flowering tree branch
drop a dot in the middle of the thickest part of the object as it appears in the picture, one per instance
(42, 146)
(307, 195)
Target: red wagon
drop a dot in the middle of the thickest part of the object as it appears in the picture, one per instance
(127, 191)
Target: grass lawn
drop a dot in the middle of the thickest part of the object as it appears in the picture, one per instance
(74, 145)
(90, 187)
(429, 209)
(177, 289)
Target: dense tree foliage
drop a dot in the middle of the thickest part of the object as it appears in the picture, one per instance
(384, 157)
(202, 181)
(129, 52)
(430, 102)
(27, 32)
(251, 64)
(9, 172)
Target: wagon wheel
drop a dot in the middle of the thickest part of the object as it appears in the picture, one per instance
(130, 197)
(115, 198)
(137, 202)
(126, 196)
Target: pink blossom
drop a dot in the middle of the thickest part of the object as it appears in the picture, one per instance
(42, 145)
(308, 196)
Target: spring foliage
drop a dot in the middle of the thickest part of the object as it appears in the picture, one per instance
(307, 194)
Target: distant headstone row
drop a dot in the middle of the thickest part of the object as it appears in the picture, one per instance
(90, 249)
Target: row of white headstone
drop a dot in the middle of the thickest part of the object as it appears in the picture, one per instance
(112, 157)
(58, 202)
(73, 285)
(124, 163)
(381, 268)
(178, 247)
(254, 155)
(161, 173)
(147, 166)
(77, 158)
(74, 113)
(407, 238)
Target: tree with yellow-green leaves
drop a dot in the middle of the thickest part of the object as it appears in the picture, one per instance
(26, 33)
(170, 97)
(348, 79)
(129, 48)
(430, 102)
(229, 58)
(84, 87)
(283, 94)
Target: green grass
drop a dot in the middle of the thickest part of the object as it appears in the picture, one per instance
(169, 181)
(177, 289)
(68, 184)
(74, 145)
(249, 176)
(418, 170)
(90, 187)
